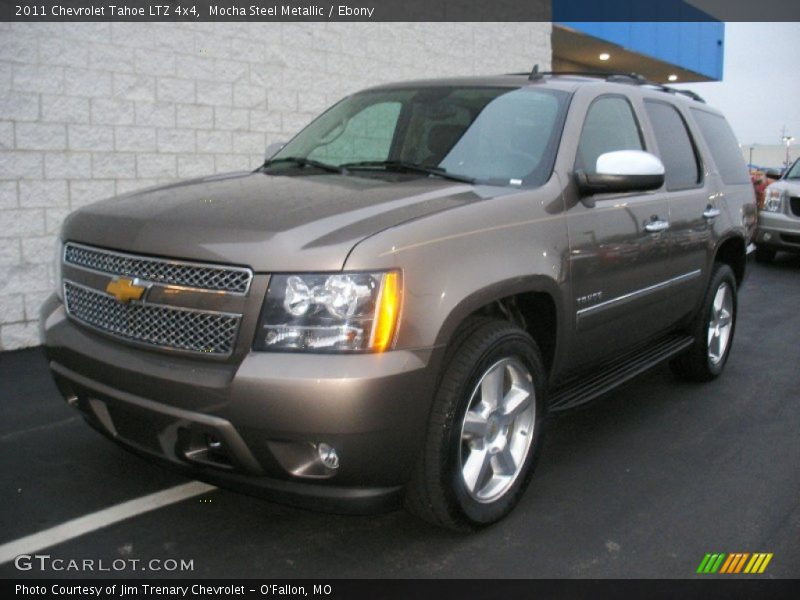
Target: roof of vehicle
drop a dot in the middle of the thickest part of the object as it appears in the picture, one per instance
(511, 81)
(566, 81)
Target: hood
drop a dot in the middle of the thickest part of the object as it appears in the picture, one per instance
(790, 186)
(269, 223)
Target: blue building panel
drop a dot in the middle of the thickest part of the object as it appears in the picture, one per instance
(627, 10)
(696, 46)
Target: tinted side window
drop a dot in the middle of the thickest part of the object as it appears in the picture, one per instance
(724, 147)
(675, 144)
(610, 125)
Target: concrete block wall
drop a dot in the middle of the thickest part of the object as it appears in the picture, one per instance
(90, 110)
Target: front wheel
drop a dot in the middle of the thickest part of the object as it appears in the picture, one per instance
(485, 428)
(713, 330)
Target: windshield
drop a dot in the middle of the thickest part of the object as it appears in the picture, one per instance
(794, 172)
(497, 136)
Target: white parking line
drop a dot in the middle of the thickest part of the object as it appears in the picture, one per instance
(102, 518)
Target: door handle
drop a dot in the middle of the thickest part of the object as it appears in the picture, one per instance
(657, 226)
(711, 212)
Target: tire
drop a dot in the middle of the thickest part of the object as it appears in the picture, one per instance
(478, 460)
(712, 329)
(764, 254)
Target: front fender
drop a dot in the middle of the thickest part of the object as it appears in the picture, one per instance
(498, 291)
(458, 260)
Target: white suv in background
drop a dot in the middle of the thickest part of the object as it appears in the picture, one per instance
(779, 217)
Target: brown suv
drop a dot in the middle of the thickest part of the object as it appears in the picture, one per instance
(388, 308)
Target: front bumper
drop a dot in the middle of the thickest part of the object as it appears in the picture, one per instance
(778, 231)
(254, 425)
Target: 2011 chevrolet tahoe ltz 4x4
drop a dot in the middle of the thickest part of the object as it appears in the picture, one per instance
(389, 307)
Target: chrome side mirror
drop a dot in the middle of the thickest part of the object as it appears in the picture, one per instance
(621, 171)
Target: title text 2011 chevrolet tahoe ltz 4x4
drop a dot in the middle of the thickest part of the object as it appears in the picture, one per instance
(388, 308)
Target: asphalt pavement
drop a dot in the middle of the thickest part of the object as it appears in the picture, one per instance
(642, 483)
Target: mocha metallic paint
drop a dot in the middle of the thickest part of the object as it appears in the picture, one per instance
(460, 247)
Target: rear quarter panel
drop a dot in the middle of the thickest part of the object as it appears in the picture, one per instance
(737, 201)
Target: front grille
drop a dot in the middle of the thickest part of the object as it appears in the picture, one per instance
(794, 203)
(158, 270)
(167, 327)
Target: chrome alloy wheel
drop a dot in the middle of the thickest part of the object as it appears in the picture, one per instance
(720, 323)
(497, 430)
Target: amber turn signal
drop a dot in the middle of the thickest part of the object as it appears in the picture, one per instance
(387, 312)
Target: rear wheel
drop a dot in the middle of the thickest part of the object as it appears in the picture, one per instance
(485, 428)
(765, 254)
(713, 330)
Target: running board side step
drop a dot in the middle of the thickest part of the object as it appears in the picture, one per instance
(579, 390)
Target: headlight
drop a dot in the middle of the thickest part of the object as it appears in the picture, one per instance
(339, 312)
(772, 199)
(57, 265)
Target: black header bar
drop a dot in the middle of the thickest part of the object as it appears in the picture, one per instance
(399, 10)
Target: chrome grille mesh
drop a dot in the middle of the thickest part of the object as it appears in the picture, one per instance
(156, 270)
(794, 204)
(212, 333)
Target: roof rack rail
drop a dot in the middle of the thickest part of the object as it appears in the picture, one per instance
(671, 90)
(537, 74)
(613, 77)
(633, 78)
(688, 93)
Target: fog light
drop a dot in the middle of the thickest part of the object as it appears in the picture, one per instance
(767, 237)
(328, 456)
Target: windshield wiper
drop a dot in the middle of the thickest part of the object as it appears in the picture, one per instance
(304, 162)
(400, 165)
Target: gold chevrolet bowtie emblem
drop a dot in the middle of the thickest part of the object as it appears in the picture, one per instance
(125, 290)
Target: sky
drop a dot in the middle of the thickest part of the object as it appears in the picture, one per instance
(760, 88)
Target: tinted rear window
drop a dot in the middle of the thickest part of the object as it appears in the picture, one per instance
(675, 146)
(723, 145)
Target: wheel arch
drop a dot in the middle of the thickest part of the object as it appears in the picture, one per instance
(533, 302)
(732, 252)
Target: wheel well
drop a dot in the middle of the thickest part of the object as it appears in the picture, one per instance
(732, 253)
(535, 312)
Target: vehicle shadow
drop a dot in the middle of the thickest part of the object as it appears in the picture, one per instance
(784, 261)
